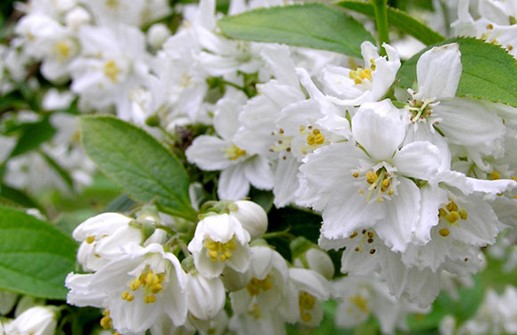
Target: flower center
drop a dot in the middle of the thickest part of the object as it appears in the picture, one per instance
(255, 285)
(375, 183)
(149, 282)
(62, 51)
(451, 213)
(220, 251)
(234, 152)
(360, 75)
(111, 70)
(420, 110)
(306, 303)
(360, 302)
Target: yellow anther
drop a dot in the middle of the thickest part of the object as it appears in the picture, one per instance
(354, 234)
(156, 288)
(127, 296)
(391, 191)
(386, 183)
(315, 138)
(111, 70)
(451, 206)
(234, 152)
(306, 317)
(106, 322)
(371, 177)
(452, 217)
(463, 214)
(444, 232)
(355, 174)
(360, 302)
(221, 251)
(494, 175)
(149, 299)
(255, 285)
(359, 75)
(90, 239)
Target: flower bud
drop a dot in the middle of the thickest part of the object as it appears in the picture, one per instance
(77, 17)
(206, 296)
(102, 236)
(317, 260)
(38, 320)
(157, 35)
(252, 217)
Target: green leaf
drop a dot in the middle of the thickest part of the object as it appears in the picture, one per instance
(143, 167)
(15, 197)
(33, 135)
(35, 257)
(400, 20)
(489, 72)
(311, 25)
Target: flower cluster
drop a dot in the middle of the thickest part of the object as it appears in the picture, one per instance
(411, 181)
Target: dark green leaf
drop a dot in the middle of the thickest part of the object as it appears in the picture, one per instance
(35, 257)
(489, 72)
(12, 196)
(400, 20)
(138, 163)
(33, 135)
(314, 26)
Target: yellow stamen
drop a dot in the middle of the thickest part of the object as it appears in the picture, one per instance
(111, 70)
(220, 251)
(234, 152)
(255, 285)
(444, 232)
(360, 302)
(359, 75)
(90, 239)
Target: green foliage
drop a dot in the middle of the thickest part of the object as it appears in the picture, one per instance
(398, 19)
(489, 72)
(143, 167)
(35, 257)
(33, 135)
(311, 25)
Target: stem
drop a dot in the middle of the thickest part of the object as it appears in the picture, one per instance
(279, 234)
(381, 20)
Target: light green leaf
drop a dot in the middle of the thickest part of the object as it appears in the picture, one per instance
(314, 26)
(143, 167)
(398, 19)
(489, 72)
(35, 257)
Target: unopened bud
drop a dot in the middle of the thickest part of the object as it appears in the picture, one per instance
(252, 217)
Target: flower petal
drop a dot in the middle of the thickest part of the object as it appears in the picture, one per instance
(438, 72)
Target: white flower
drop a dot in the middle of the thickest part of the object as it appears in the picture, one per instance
(308, 290)
(38, 320)
(263, 304)
(220, 241)
(434, 109)
(102, 238)
(111, 65)
(239, 168)
(366, 182)
(364, 84)
(361, 297)
(135, 289)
